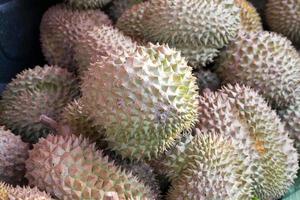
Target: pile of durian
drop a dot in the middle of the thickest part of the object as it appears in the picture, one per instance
(157, 99)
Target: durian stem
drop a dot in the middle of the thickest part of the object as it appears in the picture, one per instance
(55, 126)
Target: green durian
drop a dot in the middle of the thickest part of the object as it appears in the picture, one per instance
(70, 168)
(61, 27)
(42, 90)
(144, 100)
(118, 7)
(101, 42)
(250, 19)
(187, 25)
(258, 135)
(283, 16)
(13, 153)
(86, 4)
(210, 170)
(78, 119)
(291, 117)
(266, 62)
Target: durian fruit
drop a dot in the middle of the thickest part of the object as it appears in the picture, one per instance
(187, 25)
(291, 116)
(250, 19)
(70, 168)
(22, 193)
(61, 26)
(79, 121)
(104, 41)
(259, 137)
(13, 153)
(118, 7)
(87, 4)
(207, 80)
(42, 90)
(266, 62)
(211, 171)
(283, 16)
(143, 100)
(3, 191)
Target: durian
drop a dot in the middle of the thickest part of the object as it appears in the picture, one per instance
(266, 62)
(22, 193)
(13, 153)
(87, 4)
(3, 191)
(283, 16)
(207, 80)
(104, 41)
(42, 90)
(250, 19)
(143, 100)
(187, 25)
(61, 26)
(291, 116)
(70, 168)
(211, 171)
(118, 7)
(259, 136)
(79, 121)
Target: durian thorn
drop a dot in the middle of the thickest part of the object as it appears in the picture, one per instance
(55, 126)
(111, 196)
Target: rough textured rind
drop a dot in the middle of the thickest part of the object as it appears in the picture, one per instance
(70, 168)
(210, 170)
(250, 19)
(291, 116)
(3, 191)
(61, 27)
(13, 153)
(27, 193)
(87, 4)
(266, 62)
(118, 7)
(42, 90)
(207, 80)
(187, 25)
(144, 100)
(283, 16)
(80, 122)
(100, 43)
(258, 134)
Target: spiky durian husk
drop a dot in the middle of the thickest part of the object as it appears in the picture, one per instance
(70, 168)
(87, 4)
(42, 90)
(3, 191)
(250, 19)
(211, 171)
(283, 16)
(291, 116)
(27, 193)
(183, 24)
(79, 121)
(61, 27)
(259, 134)
(207, 80)
(13, 153)
(143, 100)
(118, 7)
(104, 41)
(266, 62)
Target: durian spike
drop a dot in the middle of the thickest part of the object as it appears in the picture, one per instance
(55, 126)
(111, 196)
